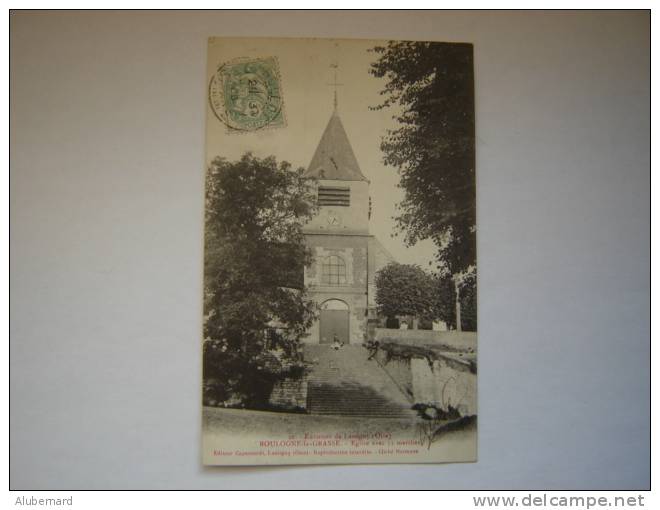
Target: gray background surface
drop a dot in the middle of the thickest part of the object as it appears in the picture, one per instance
(107, 133)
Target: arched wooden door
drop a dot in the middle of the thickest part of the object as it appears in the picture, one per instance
(334, 322)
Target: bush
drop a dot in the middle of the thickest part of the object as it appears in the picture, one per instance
(232, 379)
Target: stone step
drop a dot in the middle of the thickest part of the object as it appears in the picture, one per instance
(351, 364)
(346, 382)
(352, 399)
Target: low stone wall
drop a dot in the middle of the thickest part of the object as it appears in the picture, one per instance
(398, 370)
(444, 384)
(462, 340)
(290, 394)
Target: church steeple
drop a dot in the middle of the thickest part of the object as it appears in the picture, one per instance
(334, 158)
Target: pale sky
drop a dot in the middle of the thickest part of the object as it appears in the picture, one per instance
(308, 103)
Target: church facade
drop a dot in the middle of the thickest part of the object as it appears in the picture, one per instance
(345, 257)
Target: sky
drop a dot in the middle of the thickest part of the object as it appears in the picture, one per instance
(306, 75)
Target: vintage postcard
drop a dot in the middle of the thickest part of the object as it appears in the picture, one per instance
(340, 281)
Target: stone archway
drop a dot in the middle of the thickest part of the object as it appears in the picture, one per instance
(334, 322)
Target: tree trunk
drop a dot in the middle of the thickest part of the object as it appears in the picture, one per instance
(458, 305)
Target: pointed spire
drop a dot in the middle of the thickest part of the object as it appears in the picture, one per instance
(334, 158)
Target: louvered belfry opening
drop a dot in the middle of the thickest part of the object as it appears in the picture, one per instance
(335, 196)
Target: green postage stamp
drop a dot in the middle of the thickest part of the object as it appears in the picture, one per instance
(246, 94)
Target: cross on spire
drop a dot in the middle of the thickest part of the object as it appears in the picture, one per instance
(335, 84)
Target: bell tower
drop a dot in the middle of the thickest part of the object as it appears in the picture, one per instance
(338, 236)
(343, 191)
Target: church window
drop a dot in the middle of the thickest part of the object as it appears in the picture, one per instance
(335, 196)
(333, 271)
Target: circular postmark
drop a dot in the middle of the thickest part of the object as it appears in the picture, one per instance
(246, 94)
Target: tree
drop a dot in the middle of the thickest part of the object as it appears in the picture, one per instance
(253, 274)
(433, 149)
(444, 299)
(468, 301)
(403, 289)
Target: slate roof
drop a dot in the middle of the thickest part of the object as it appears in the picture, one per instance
(334, 158)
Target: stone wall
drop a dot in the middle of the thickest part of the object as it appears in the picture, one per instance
(444, 384)
(353, 249)
(319, 253)
(290, 394)
(463, 340)
(398, 370)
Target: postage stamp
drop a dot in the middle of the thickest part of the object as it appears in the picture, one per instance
(246, 94)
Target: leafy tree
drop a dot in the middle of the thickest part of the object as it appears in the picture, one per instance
(403, 289)
(433, 147)
(253, 274)
(468, 299)
(445, 301)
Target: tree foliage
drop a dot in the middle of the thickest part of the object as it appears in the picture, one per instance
(403, 289)
(445, 301)
(253, 272)
(431, 87)
(468, 299)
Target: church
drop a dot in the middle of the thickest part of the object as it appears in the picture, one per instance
(345, 257)
(344, 378)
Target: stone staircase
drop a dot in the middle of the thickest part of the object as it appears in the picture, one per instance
(345, 382)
